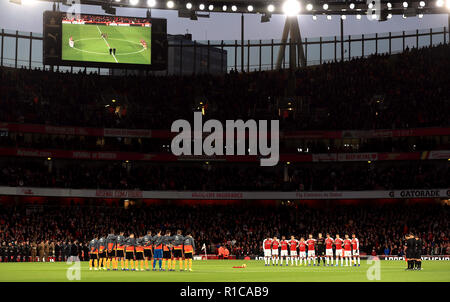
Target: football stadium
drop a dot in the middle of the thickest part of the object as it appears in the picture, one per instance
(132, 153)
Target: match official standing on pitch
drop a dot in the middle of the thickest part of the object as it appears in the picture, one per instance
(419, 246)
(410, 250)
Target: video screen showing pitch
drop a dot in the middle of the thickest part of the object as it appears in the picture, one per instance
(107, 39)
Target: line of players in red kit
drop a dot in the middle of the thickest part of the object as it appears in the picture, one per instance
(311, 250)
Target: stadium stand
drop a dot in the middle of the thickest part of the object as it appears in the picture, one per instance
(382, 92)
(227, 177)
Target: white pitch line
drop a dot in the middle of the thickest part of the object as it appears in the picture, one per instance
(107, 44)
(105, 54)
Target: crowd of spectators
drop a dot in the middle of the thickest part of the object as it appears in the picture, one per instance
(228, 177)
(162, 145)
(381, 92)
(239, 227)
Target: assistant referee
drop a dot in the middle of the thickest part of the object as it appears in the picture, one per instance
(410, 250)
(419, 246)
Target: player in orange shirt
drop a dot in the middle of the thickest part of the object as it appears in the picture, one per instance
(167, 251)
(177, 249)
(140, 253)
(189, 250)
(120, 251)
(93, 253)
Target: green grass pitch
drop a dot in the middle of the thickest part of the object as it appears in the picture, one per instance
(89, 45)
(223, 271)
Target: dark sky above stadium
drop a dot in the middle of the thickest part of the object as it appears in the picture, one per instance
(28, 17)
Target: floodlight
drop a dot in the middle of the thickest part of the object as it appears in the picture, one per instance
(291, 7)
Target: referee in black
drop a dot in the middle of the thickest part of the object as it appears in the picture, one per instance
(410, 250)
(419, 245)
(320, 249)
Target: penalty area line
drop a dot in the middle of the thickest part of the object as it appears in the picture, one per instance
(107, 44)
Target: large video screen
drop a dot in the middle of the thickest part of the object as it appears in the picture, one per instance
(107, 39)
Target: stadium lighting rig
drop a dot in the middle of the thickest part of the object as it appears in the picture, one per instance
(283, 7)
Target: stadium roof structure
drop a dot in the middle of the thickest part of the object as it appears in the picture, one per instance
(289, 7)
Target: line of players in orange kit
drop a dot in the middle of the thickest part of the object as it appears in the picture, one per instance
(311, 250)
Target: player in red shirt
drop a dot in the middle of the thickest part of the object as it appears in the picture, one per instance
(293, 243)
(311, 249)
(355, 249)
(302, 250)
(284, 250)
(329, 249)
(338, 243)
(267, 246)
(347, 250)
(275, 246)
